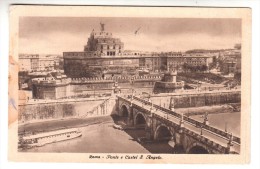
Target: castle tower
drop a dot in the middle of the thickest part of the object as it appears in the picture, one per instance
(169, 83)
(103, 43)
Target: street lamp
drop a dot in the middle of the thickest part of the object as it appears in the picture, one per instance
(226, 127)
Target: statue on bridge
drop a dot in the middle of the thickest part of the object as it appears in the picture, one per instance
(206, 119)
(172, 104)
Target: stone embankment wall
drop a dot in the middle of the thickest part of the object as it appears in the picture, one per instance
(198, 100)
(79, 109)
(206, 99)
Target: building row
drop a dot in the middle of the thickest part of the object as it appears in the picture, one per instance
(230, 62)
(36, 62)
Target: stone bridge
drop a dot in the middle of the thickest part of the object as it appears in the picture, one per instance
(183, 132)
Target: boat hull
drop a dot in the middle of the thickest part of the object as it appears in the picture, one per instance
(50, 139)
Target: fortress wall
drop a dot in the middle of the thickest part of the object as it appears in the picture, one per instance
(88, 88)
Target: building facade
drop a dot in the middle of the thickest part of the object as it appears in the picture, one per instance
(28, 62)
(231, 62)
(38, 63)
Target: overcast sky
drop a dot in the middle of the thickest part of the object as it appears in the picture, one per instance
(46, 35)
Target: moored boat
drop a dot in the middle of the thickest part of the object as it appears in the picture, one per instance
(40, 139)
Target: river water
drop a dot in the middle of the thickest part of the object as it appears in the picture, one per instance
(97, 138)
(103, 138)
(229, 121)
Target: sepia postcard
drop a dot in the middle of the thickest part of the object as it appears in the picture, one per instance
(107, 84)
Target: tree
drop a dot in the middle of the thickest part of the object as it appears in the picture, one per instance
(204, 68)
(185, 67)
(163, 67)
(171, 67)
(237, 76)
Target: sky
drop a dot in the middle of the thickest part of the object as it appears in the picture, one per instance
(54, 35)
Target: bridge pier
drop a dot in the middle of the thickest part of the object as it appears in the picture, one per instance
(130, 119)
(178, 138)
(130, 122)
(149, 132)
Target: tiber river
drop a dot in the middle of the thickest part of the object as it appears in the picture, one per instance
(103, 138)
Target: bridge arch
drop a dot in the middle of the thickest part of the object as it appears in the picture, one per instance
(163, 132)
(197, 148)
(140, 119)
(124, 111)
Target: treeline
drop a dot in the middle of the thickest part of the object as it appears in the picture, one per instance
(190, 68)
(204, 51)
